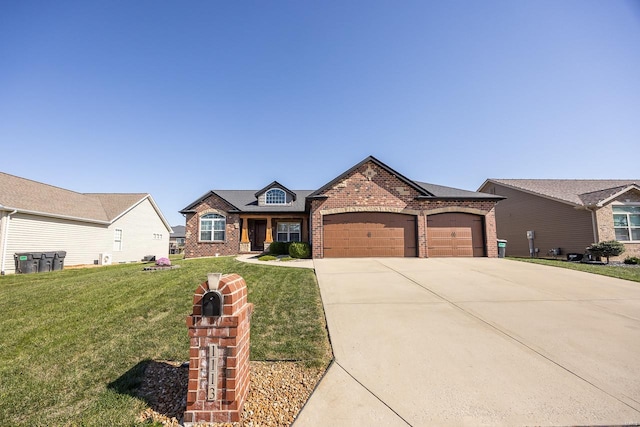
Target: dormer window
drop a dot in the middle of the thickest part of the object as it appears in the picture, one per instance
(275, 196)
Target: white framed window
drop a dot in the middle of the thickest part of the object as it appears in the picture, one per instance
(288, 232)
(117, 239)
(212, 228)
(626, 223)
(275, 196)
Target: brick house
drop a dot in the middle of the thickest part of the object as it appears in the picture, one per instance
(370, 210)
(566, 214)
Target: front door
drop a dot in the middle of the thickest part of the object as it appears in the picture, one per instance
(257, 234)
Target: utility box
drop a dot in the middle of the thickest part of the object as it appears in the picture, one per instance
(219, 351)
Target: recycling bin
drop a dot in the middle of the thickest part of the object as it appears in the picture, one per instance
(502, 248)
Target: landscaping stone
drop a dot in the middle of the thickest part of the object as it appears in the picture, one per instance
(278, 391)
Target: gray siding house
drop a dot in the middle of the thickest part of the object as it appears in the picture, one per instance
(566, 214)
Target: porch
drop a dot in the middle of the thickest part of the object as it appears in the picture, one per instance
(259, 231)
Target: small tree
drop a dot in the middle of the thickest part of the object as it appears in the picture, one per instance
(606, 249)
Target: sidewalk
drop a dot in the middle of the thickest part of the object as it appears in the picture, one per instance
(296, 263)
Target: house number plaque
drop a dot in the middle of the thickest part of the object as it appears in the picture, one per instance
(213, 372)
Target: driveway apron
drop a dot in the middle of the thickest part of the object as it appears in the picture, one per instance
(476, 341)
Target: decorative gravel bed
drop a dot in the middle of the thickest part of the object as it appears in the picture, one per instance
(278, 392)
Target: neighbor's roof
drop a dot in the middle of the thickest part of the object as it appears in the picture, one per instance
(246, 201)
(178, 231)
(578, 192)
(25, 195)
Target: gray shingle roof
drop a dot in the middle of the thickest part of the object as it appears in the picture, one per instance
(27, 195)
(440, 191)
(579, 192)
(245, 201)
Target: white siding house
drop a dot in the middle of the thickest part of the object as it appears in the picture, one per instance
(91, 228)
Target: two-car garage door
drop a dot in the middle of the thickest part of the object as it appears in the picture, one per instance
(369, 234)
(384, 234)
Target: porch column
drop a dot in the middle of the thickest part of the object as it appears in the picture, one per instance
(245, 243)
(269, 238)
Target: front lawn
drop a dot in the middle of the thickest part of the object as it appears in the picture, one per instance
(70, 339)
(618, 271)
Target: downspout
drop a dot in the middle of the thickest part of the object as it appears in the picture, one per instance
(5, 239)
(593, 224)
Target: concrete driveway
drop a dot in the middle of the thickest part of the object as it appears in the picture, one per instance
(476, 341)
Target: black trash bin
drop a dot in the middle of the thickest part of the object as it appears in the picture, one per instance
(46, 262)
(58, 260)
(502, 248)
(27, 262)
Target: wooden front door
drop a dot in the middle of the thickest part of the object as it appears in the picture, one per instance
(455, 235)
(257, 234)
(369, 234)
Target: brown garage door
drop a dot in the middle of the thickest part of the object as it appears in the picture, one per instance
(369, 234)
(455, 235)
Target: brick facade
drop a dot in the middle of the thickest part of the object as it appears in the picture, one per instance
(370, 188)
(194, 248)
(604, 218)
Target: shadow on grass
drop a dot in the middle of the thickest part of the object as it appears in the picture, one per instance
(161, 384)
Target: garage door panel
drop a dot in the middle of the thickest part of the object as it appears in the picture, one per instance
(369, 234)
(455, 235)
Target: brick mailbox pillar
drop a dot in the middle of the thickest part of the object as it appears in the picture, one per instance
(219, 350)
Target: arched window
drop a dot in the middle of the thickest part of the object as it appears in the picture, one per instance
(275, 196)
(212, 228)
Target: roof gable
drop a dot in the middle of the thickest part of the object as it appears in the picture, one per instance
(320, 192)
(276, 184)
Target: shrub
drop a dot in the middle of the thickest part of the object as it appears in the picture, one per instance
(279, 248)
(267, 258)
(163, 262)
(606, 249)
(633, 260)
(300, 250)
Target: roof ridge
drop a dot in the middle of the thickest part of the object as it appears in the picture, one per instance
(40, 183)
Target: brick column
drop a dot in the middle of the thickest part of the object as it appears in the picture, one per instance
(219, 352)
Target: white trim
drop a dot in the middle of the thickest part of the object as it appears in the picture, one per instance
(5, 238)
(266, 200)
(213, 230)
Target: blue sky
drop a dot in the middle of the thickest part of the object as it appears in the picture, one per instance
(177, 98)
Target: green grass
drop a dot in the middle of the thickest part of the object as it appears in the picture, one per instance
(75, 342)
(627, 273)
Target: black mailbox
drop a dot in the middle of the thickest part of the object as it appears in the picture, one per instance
(212, 304)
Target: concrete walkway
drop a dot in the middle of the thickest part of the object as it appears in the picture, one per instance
(478, 341)
(295, 263)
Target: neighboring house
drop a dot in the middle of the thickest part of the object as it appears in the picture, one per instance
(91, 228)
(176, 239)
(368, 211)
(566, 214)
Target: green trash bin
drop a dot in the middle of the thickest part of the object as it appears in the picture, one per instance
(502, 248)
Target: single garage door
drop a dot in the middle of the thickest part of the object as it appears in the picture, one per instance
(369, 234)
(455, 235)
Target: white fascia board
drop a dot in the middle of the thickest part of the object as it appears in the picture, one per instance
(618, 194)
(50, 215)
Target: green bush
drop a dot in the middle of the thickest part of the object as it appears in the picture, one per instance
(279, 248)
(267, 258)
(300, 250)
(606, 249)
(633, 260)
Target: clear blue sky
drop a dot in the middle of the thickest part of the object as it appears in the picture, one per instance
(176, 98)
